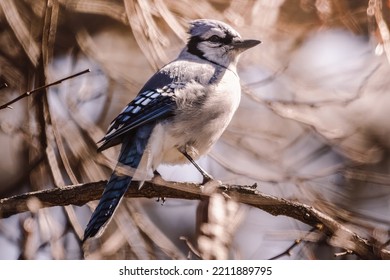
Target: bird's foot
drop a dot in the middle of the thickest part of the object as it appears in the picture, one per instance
(162, 199)
(210, 185)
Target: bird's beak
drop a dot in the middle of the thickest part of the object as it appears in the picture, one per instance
(243, 45)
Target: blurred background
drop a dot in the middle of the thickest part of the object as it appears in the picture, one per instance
(313, 124)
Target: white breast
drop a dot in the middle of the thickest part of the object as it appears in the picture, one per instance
(196, 126)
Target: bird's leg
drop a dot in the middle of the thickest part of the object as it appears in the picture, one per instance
(206, 177)
(160, 198)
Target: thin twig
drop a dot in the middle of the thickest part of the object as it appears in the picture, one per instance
(344, 253)
(271, 103)
(267, 80)
(27, 93)
(288, 251)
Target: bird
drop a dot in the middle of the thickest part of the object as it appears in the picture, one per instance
(178, 114)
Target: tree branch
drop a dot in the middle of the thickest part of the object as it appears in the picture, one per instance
(80, 194)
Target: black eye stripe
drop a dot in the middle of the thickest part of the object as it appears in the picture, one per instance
(193, 42)
(216, 39)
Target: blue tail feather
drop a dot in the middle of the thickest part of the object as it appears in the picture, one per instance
(130, 155)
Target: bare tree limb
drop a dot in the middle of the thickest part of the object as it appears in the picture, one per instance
(340, 235)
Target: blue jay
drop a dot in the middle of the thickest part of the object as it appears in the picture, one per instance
(178, 115)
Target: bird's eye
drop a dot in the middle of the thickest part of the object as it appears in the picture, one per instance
(214, 39)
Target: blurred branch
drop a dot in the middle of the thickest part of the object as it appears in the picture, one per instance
(375, 9)
(27, 93)
(14, 14)
(273, 103)
(340, 236)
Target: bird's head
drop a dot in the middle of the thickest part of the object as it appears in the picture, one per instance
(217, 42)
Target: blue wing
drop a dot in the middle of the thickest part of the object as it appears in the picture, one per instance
(155, 101)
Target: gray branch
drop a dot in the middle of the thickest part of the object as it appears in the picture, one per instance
(81, 194)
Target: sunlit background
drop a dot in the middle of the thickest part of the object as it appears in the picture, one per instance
(313, 124)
